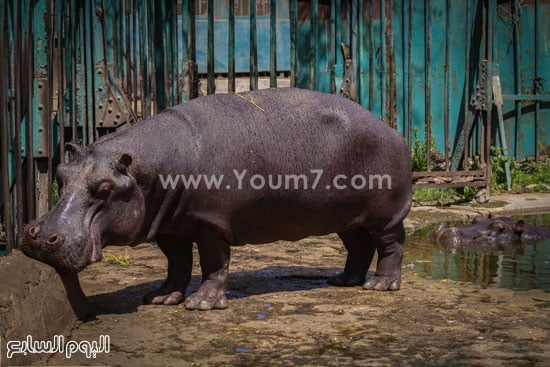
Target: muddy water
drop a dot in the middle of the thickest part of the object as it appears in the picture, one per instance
(517, 267)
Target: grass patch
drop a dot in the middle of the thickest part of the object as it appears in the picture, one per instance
(118, 260)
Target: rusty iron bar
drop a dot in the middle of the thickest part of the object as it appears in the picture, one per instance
(192, 52)
(537, 57)
(409, 75)
(231, 48)
(427, 80)
(293, 39)
(4, 131)
(446, 92)
(466, 125)
(29, 149)
(210, 71)
(273, 44)
(491, 13)
(371, 55)
(517, 73)
(17, 90)
(253, 47)
(392, 121)
(314, 46)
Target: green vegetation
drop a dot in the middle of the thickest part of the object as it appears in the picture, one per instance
(55, 192)
(118, 260)
(526, 176)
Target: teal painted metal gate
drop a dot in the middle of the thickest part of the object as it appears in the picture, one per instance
(73, 70)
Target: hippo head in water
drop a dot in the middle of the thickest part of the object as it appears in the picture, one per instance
(100, 203)
(495, 231)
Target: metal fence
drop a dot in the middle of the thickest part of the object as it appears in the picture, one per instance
(74, 70)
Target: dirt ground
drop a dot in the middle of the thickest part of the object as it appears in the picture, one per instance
(282, 313)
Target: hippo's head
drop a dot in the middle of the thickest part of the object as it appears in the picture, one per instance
(100, 203)
(496, 231)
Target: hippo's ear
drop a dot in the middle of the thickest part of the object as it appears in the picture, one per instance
(124, 162)
(74, 149)
(519, 226)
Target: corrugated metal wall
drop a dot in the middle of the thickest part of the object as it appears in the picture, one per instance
(73, 70)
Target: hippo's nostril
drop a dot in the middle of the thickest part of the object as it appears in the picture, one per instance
(54, 240)
(33, 231)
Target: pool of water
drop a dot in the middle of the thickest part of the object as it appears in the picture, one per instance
(519, 267)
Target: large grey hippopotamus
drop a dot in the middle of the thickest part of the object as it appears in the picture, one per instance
(339, 169)
(493, 231)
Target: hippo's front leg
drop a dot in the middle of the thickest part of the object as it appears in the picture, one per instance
(79, 302)
(214, 256)
(179, 253)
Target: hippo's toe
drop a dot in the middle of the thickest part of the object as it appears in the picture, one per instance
(210, 295)
(163, 298)
(383, 283)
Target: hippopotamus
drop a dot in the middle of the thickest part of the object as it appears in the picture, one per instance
(286, 164)
(495, 231)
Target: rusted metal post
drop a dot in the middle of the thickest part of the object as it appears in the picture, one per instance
(253, 47)
(446, 92)
(231, 49)
(427, 80)
(314, 46)
(273, 44)
(293, 39)
(210, 71)
(4, 133)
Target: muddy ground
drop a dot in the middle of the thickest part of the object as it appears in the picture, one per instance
(282, 313)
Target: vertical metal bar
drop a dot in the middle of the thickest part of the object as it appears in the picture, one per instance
(537, 73)
(336, 47)
(427, 80)
(447, 82)
(383, 77)
(60, 33)
(135, 55)
(174, 49)
(192, 53)
(332, 55)
(466, 125)
(293, 39)
(18, 119)
(491, 16)
(231, 48)
(517, 75)
(314, 45)
(87, 44)
(390, 59)
(360, 52)
(30, 162)
(4, 133)
(353, 38)
(144, 57)
(127, 37)
(371, 54)
(211, 82)
(273, 44)
(407, 69)
(159, 52)
(253, 47)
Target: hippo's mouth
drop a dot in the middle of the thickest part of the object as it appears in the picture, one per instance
(94, 243)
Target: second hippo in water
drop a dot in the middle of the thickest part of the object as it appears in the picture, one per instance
(497, 231)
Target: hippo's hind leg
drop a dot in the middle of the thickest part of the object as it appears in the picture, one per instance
(179, 253)
(390, 246)
(214, 255)
(360, 246)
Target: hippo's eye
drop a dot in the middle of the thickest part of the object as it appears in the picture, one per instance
(104, 190)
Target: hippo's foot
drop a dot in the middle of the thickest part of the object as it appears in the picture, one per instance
(163, 297)
(346, 280)
(383, 282)
(211, 295)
